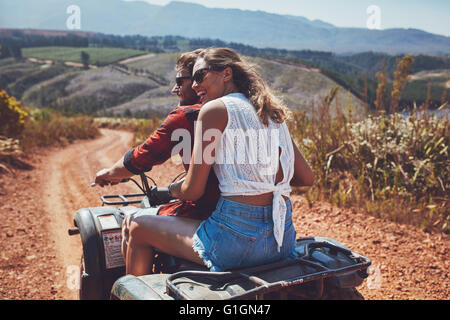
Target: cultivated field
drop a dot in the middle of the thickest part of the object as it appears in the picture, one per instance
(98, 56)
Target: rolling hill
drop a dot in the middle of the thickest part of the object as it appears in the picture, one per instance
(140, 86)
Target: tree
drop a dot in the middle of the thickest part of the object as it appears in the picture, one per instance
(401, 76)
(16, 51)
(85, 59)
(427, 102)
(444, 97)
(10, 50)
(381, 89)
(127, 113)
(365, 94)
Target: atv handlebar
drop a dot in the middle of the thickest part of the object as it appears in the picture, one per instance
(123, 180)
(156, 196)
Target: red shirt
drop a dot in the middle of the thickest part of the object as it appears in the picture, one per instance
(158, 148)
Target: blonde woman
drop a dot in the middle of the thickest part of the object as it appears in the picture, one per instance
(242, 135)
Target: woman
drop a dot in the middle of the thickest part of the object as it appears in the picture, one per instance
(252, 223)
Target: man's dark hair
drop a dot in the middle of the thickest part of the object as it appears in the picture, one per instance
(187, 60)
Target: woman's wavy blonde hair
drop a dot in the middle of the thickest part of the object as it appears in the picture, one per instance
(249, 82)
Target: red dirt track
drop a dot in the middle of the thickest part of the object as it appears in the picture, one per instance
(38, 258)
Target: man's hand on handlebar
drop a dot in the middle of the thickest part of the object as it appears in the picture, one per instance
(109, 177)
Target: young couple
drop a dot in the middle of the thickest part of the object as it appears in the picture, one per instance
(232, 214)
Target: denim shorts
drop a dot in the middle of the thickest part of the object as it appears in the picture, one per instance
(238, 235)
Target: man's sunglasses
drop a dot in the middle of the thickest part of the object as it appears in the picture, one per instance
(179, 80)
(199, 75)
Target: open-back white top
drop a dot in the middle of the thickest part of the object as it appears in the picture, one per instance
(246, 159)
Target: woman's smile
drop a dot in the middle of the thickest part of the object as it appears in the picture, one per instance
(202, 95)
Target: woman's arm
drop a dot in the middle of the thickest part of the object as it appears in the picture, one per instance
(211, 122)
(303, 175)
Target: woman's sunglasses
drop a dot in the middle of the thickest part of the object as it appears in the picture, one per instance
(179, 80)
(199, 75)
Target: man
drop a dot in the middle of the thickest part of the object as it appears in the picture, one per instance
(158, 148)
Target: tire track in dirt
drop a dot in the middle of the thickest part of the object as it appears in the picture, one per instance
(67, 175)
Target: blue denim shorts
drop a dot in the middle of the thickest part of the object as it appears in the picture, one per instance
(238, 235)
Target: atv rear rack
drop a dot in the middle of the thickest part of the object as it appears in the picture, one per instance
(255, 274)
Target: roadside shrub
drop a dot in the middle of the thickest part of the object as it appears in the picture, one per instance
(23, 128)
(46, 128)
(12, 115)
(394, 166)
(142, 128)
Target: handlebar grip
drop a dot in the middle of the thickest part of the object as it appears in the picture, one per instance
(162, 194)
(158, 196)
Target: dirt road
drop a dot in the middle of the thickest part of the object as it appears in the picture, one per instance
(38, 260)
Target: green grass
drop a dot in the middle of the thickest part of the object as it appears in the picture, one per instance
(98, 56)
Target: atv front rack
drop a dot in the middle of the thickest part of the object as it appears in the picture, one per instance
(155, 196)
(124, 199)
(317, 260)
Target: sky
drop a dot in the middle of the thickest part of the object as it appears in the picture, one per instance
(428, 15)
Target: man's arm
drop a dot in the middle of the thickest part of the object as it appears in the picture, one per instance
(155, 150)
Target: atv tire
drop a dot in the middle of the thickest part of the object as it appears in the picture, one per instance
(90, 288)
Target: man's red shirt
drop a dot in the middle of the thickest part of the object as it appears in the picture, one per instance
(158, 148)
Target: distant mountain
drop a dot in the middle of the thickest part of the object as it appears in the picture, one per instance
(256, 28)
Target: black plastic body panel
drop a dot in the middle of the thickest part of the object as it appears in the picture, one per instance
(96, 279)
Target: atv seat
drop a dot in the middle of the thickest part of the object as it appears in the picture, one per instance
(319, 261)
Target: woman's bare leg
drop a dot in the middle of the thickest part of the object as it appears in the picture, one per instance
(139, 259)
(173, 235)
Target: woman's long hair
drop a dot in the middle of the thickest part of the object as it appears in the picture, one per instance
(249, 82)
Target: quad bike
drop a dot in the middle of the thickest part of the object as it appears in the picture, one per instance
(324, 268)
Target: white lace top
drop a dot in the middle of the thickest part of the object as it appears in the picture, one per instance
(246, 159)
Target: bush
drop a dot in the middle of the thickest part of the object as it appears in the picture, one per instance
(12, 115)
(46, 128)
(22, 130)
(379, 163)
(142, 128)
(412, 149)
